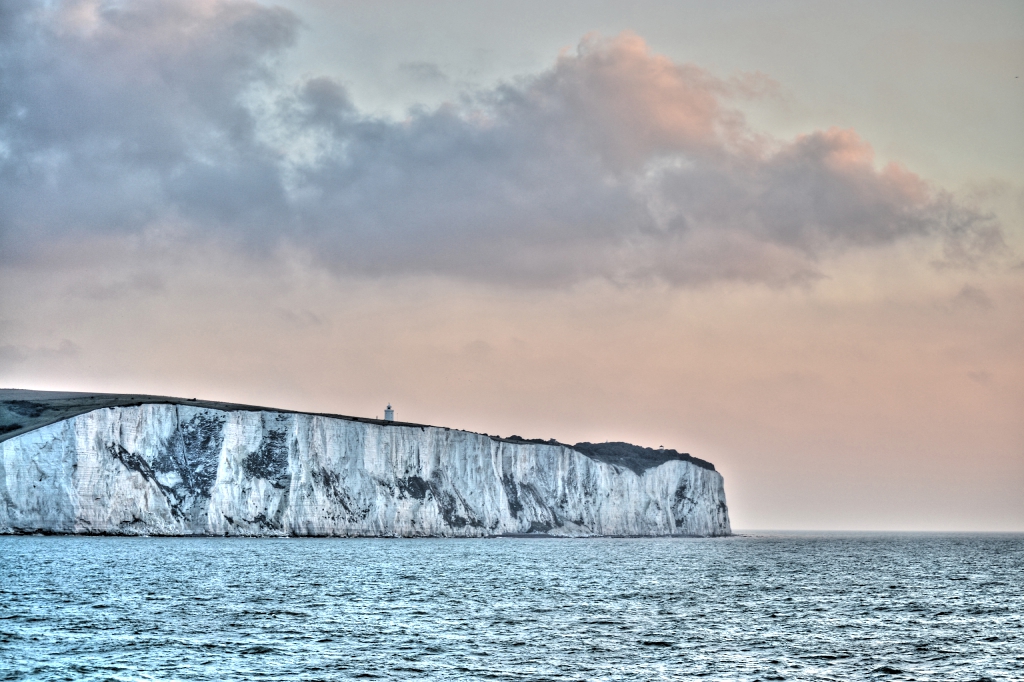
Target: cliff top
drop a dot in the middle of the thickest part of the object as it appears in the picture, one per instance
(636, 457)
(24, 410)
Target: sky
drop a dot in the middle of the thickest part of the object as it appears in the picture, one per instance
(785, 237)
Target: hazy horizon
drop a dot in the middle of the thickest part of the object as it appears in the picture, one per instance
(787, 239)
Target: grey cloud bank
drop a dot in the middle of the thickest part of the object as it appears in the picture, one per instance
(615, 163)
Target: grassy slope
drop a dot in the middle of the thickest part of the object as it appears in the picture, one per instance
(22, 411)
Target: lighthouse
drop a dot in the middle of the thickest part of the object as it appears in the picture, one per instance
(389, 414)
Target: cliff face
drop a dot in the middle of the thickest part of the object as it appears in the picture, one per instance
(180, 470)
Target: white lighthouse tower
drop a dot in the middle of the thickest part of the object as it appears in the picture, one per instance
(389, 414)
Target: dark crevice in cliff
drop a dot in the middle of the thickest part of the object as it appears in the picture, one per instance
(450, 503)
(202, 438)
(138, 464)
(414, 487)
(270, 461)
(512, 495)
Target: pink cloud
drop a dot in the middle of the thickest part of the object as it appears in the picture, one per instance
(615, 163)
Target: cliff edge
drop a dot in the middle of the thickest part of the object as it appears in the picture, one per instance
(151, 465)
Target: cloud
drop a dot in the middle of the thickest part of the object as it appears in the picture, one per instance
(972, 297)
(423, 72)
(615, 163)
(113, 116)
(11, 354)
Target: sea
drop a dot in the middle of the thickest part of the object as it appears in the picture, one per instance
(757, 606)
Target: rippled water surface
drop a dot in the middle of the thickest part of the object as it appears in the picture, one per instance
(759, 607)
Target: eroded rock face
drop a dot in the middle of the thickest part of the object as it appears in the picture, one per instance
(173, 469)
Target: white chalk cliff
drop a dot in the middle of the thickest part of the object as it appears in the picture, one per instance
(165, 469)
